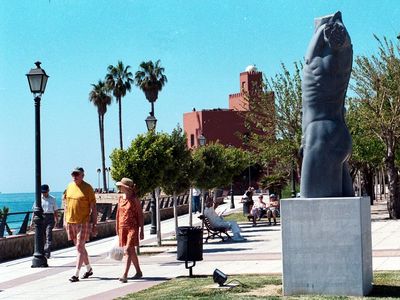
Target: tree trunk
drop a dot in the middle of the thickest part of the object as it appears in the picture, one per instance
(158, 217)
(119, 99)
(368, 178)
(152, 108)
(175, 214)
(103, 157)
(393, 183)
(151, 95)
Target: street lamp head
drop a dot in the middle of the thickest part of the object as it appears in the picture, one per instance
(202, 140)
(151, 123)
(37, 79)
(98, 170)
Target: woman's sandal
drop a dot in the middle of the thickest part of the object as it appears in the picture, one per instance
(87, 274)
(138, 275)
(74, 279)
(123, 279)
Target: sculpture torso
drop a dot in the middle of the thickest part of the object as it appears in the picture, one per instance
(326, 140)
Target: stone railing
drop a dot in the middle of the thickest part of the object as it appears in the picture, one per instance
(22, 245)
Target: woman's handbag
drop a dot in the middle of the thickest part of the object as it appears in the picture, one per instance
(116, 252)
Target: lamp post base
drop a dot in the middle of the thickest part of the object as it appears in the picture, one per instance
(39, 261)
(232, 201)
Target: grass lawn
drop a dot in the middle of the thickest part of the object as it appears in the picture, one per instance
(386, 286)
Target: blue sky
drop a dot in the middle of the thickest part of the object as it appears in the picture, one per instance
(203, 45)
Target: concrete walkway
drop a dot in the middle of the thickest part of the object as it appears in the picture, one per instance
(260, 253)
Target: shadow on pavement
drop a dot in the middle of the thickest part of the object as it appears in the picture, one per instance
(385, 291)
(224, 250)
(130, 280)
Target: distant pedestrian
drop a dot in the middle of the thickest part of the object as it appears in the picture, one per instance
(196, 207)
(80, 219)
(248, 201)
(50, 217)
(129, 225)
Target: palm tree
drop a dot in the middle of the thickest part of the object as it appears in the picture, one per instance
(119, 80)
(100, 97)
(150, 79)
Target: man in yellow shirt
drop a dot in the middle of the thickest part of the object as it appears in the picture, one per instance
(80, 218)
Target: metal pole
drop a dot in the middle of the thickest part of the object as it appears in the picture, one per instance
(293, 181)
(232, 197)
(39, 260)
(191, 207)
(108, 180)
(158, 215)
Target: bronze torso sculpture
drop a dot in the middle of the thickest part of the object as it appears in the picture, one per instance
(326, 140)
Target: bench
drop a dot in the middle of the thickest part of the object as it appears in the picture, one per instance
(220, 199)
(213, 232)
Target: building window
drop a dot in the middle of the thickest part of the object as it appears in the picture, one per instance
(243, 84)
(191, 140)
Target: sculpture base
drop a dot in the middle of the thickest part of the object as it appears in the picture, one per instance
(326, 246)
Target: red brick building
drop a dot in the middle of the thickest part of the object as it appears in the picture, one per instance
(224, 125)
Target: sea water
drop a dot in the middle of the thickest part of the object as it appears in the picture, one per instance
(21, 202)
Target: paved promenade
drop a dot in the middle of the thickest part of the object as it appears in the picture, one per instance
(260, 253)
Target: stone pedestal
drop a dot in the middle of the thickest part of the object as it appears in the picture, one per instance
(326, 246)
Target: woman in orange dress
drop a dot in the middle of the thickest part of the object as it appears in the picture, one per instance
(129, 225)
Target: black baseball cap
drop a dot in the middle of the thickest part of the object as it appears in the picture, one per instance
(44, 188)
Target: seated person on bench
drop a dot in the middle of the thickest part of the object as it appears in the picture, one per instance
(258, 211)
(273, 209)
(218, 221)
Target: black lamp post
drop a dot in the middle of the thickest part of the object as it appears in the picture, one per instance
(151, 123)
(37, 79)
(232, 197)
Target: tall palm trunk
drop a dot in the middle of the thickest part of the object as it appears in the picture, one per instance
(393, 180)
(103, 158)
(120, 122)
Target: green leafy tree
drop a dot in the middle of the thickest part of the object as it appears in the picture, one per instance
(100, 97)
(216, 165)
(274, 123)
(150, 79)
(368, 151)
(178, 175)
(376, 83)
(119, 79)
(145, 161)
